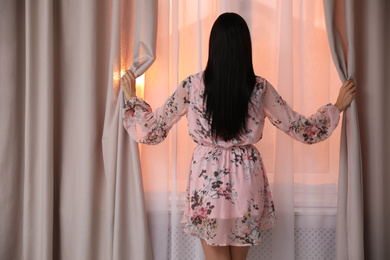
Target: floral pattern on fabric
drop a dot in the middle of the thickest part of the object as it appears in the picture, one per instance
(229, 200)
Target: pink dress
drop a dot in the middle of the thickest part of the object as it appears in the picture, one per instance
(228, 195)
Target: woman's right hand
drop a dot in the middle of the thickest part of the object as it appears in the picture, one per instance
(128, 85)
(346, 95)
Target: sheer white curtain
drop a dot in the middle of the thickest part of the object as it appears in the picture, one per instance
(291, 50)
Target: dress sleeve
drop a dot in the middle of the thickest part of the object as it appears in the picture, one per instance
(313, 129)
(148, 127)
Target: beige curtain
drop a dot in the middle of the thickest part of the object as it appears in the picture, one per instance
(349, 237)
(372, 41)
(70, 183)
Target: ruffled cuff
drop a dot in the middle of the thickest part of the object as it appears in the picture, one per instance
(134, 106)
(134, 101)
(334, 114)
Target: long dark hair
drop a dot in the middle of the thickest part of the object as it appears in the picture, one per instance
(229, 77)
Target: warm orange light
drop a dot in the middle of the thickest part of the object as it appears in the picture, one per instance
(116, 77)
(140, 86)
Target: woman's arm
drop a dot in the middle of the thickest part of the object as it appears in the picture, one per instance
(146, 126)
(313, 129)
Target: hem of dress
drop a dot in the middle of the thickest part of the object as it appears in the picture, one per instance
(228, 244)
(269, 226)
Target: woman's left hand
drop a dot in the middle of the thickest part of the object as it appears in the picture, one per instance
(346, 94)
(128, 85)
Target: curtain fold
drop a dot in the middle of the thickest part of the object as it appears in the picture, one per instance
(349, 240)
(38, 130)
(144, 48)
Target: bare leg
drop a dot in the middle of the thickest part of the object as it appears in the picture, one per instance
(239, 252)
(215, 252)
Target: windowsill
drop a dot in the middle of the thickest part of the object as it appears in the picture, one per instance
(304, 218)
(318, 211)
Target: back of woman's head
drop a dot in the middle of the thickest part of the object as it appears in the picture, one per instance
(229, 77)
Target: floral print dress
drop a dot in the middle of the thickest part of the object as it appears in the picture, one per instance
(228, 195)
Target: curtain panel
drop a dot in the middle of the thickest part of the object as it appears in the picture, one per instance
(70, 177)
(349, 240)
(372, 39)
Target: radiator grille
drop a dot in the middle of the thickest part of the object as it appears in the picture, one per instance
(310, 244)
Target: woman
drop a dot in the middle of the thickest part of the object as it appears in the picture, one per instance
(228, 196)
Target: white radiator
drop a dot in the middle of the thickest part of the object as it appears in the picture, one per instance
(310, 244)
